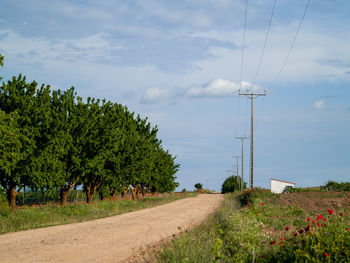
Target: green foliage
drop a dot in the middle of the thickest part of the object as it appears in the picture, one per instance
(52, 140)
(264, 231)
(335, 186)
(231, 184)
(198, 186)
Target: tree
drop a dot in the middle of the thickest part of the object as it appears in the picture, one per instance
(17, 100)
(231, 184)
(198, 186)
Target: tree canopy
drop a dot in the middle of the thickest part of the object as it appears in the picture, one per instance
(52, 140)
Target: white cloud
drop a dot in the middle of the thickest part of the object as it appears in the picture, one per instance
(319, 104)
(219, 88)
(216, 88)
(155, 95)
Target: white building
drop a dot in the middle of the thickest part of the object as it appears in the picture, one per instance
(277, 186)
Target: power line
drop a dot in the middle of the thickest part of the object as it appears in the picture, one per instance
(291, 46)
(267, 34)
(243, 41)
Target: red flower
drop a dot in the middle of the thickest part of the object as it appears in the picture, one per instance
(287, 228)
(330, 211)
(309, 226)
(341, 214)
(257, 214)
(281, 238)
(325, 254)
(318, 224)
(273, 242)
(281, 243)
(348, 229)
(320, 216)
(295, 234)
(325, 219)
(262, 204)
(301, 231)
(314, 221)
(309, 219)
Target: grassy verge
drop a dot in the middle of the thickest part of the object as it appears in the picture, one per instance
(53, 214)
(257, 227)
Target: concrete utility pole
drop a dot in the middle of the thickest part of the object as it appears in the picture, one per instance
(242, 138)
(252, 96)
(237, 157)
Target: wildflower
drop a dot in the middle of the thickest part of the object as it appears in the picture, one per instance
(259, 212)
(308, 219)
(287, 228)
(318, 224)
(330, 211)
(301, 231)
(325, 219)
(262, 204)
(348, 229)
(281, 238)
(295, 234)
(325, 254)
(281, 243)
(320, 216)
(314, 221)
(273, 242)
(341, 214)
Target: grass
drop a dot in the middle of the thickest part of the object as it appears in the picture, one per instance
(263, 230)
(36, 216)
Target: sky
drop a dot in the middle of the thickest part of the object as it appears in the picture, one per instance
(180, 64)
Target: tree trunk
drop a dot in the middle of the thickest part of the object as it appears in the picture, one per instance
(64, 191)
(113, 194)
(11, 197)
(90, 191)
(133, 192)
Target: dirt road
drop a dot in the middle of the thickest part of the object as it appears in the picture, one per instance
(112, 239)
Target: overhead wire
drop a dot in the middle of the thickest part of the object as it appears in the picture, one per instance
(266, 37)
(291, 46)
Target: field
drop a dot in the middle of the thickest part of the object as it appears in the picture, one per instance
(258, 226)
(36, 216)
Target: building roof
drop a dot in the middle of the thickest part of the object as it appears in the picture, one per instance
(282, 181)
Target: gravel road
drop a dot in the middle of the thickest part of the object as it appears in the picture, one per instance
(111, 239)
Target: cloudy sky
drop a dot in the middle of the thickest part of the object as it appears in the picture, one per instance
(180, 64)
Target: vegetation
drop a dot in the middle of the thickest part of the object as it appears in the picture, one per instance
(198, 186)
(36, 216)
(231, 184)
(51, 140)
(256, 227)
(329, 186)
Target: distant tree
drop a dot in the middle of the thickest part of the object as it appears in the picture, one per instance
(198, 186)
(231, 184)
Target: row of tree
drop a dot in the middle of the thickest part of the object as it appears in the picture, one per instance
(52, 140)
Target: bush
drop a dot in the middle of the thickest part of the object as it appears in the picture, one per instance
(334, 186)
(231, 184)
(198, 186)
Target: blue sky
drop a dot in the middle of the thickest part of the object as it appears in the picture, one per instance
(179, 63)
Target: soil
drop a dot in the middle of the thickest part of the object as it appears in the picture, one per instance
(112, 239)
(318, 202)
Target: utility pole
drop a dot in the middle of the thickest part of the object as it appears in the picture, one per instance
(242, 138)
(252, 96)
(237, 157)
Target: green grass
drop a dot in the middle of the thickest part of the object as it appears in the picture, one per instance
(262, 231)
(29, 217)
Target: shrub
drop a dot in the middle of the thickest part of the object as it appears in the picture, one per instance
(198, 186)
